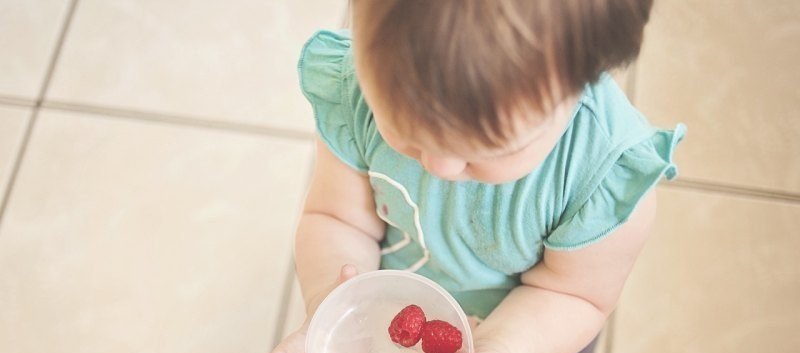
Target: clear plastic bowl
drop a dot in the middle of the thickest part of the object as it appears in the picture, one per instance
(355, 317)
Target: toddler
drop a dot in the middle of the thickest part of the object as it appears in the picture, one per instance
(482, 144)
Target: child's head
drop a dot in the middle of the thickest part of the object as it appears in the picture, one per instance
(475, 81)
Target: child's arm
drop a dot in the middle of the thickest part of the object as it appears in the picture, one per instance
(338, 226)
(565, 299)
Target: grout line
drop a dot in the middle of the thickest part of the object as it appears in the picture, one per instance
(16, 166)
(683, 183)
(609, 344)
(699, 185)
(51, 67)
(283, 310)
(180, 120)
(288, 289)
(747, 192)
(16, 101)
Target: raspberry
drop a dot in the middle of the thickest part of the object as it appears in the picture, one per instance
(440, 337)
(406, 327)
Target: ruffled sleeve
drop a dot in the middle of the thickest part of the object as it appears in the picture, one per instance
(323, 69)
(615, 194)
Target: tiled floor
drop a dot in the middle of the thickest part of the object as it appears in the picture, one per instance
(719, 276)
(216, 60)
(720, 273)
(151, 208)
(153, 157)
(725, 67)
(29, 31)
(147, 236)
(13, 121)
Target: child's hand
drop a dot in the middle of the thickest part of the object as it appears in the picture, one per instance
(296, 342)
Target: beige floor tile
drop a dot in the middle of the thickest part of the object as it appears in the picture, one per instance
(601, 343)
(29, 30)
(218, 59)
(12, 128)
(729, 69)
(297, 311)
(128, 236)
(720, 274)
(623, 76)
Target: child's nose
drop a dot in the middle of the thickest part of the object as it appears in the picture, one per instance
(442, 167)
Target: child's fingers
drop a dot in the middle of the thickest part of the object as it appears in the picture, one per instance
(348, 271)
(294, 343)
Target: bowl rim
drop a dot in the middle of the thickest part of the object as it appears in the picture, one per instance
(466, 336)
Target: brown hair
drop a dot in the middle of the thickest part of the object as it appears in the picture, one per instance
(467, 65)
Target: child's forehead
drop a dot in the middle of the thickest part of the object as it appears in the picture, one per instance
(524, 130)
(465, 142)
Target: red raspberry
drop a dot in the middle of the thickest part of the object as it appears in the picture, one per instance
(440, 337)
(406, 327)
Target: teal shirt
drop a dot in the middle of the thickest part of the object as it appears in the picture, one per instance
(476, 239)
